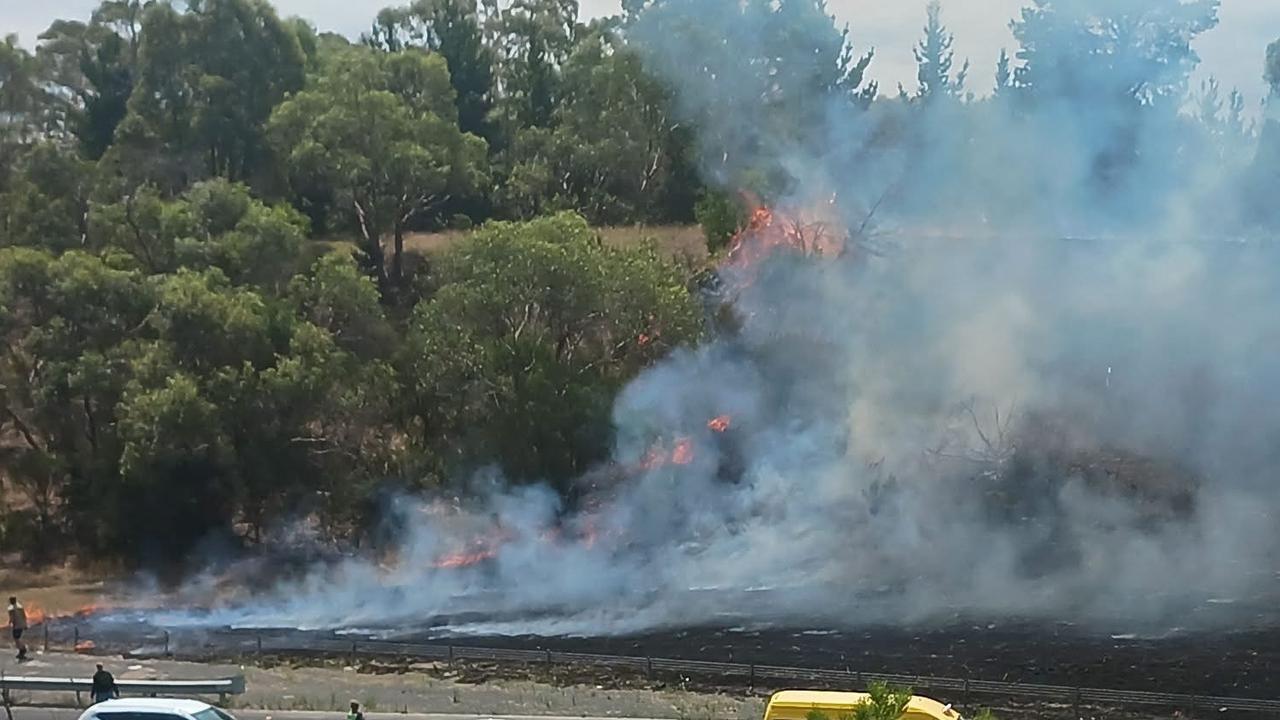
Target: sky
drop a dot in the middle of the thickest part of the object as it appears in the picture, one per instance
(1233, 51)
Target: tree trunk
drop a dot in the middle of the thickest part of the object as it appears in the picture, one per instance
(372, 237)
(397, 257)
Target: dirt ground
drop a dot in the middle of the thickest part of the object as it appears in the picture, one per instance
(52, 591)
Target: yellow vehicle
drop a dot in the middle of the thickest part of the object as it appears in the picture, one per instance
(797, 704)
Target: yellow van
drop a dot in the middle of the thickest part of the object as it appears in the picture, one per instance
(797, 704)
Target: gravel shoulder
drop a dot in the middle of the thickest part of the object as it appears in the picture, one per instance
(413, 688)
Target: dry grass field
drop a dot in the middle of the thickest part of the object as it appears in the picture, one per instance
(676, 240)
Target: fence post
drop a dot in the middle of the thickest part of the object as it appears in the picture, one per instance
(353, 653)
(751, 676)
(259, 643)
(966, 691)
(548, 656)
(1193, 706)
(75, 638)
(450, 656)
(1076, 703)
(648, 665)
(46, 637)
(166, 643)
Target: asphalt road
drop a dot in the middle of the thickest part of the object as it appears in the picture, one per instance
(41, 713)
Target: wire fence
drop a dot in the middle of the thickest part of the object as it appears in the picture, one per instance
(205, 644)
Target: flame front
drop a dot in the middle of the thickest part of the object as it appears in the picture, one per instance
(769, 230)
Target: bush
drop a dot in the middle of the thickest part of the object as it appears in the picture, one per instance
(460, 222)
(720, 218)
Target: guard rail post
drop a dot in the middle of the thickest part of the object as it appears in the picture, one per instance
(46, 636)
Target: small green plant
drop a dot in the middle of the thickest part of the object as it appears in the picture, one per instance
(884, 702)
(720, 218)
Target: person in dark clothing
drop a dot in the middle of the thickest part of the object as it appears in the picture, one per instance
(355, 713)
(104, 686)
(18, 626)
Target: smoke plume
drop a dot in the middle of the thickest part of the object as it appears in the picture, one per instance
(1038, 380)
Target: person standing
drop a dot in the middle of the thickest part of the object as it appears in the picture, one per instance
(104, 686)
(355, 713)
(18, 626)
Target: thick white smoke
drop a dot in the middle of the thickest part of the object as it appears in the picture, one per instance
(985, 417)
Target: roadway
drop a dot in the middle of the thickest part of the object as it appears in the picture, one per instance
(43, 713)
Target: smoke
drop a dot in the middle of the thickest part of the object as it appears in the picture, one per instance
(1040, 382)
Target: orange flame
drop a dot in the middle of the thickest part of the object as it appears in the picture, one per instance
(478, 550)
(37, 615)
(683, 452)
(464, 559)
(768, 230)
(720, 423)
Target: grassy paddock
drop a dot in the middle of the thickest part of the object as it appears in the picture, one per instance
(675, 240)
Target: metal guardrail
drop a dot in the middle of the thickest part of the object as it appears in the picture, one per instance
(222, 687)
(247, 642)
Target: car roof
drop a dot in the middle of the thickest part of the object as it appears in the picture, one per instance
(181, 705)
(829, 700)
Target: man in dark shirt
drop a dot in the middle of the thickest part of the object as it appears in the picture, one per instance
(17, 626)
(104, 686)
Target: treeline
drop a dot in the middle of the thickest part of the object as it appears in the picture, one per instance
(192, 351)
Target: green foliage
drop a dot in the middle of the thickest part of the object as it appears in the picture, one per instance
(611, 147)
(934, 59)
(1096, 48)
(533, 327)
(884, 702)
(379, 131)
(452, 28)
(720, 218)
(798, 66)
(46, 202)
(207, 80)
(175, 348)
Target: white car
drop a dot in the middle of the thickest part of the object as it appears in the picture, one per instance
(154, 709)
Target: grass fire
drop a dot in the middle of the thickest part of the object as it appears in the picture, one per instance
(371, 336)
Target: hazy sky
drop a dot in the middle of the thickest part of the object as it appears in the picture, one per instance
(1233, 51)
